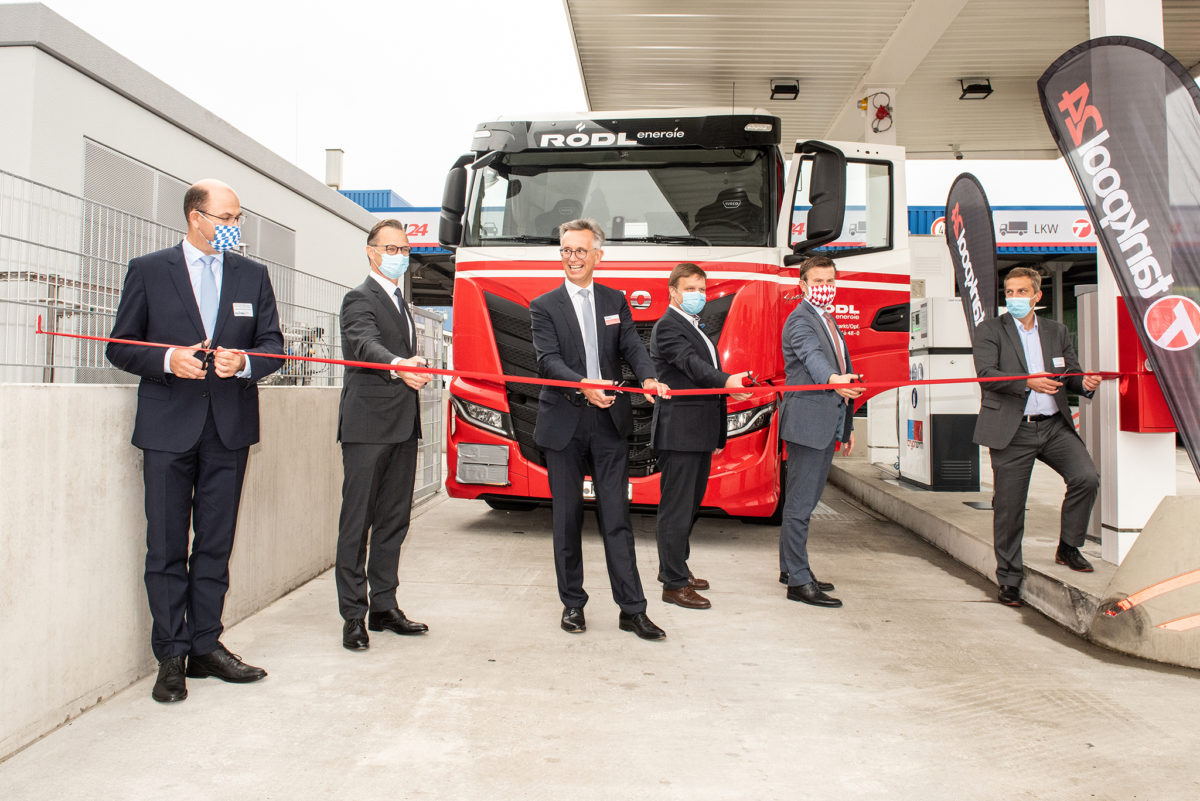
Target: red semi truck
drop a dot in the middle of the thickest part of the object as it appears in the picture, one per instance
(699, 185)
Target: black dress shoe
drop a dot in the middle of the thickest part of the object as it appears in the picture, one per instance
(354, 635)
(640, 625)
(1010, 596)
(1070, 556)
(394, 620)
(810, 593)
(572, 620)
(170, 685)
(220, 664)
(823, 586)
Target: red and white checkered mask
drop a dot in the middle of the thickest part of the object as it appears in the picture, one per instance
(822, 296)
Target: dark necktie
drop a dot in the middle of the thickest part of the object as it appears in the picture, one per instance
(837, 341)
(406, 314)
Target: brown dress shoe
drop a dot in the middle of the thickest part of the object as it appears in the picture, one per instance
(687, 598)
(697, 584)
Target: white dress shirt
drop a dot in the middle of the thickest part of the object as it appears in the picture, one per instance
(193, 257)
(580, 314)
(1031, 341)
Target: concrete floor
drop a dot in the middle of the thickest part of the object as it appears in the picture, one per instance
(922, 687)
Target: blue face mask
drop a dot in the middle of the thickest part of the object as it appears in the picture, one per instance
(394, 267)
(1018, 307)
(692, 302)
(226, 237)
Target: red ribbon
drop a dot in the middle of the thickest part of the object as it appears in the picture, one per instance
(758, 389)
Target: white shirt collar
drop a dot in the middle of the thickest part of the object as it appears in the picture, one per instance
(193, 254)
(387, 285)
(694, 320)
(575, 289)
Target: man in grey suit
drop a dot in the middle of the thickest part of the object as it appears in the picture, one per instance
(379, 423)
(812, 423)
(1027, 419)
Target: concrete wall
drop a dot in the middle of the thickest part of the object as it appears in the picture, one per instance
(62, 86)
(74, 625)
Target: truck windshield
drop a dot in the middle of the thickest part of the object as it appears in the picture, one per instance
(668, 196)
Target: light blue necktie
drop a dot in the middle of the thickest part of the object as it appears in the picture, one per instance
(589, 335)
(208, 296)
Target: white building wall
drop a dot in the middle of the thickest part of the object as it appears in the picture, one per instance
(76, 625)
(70, 87)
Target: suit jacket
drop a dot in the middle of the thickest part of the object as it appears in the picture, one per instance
(813, 419)
(158, 305)
(561, 356)
(683, 361)
(998, 352)
(376, 405)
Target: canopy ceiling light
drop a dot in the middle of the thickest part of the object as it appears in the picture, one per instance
(785, 88)
(975, 88)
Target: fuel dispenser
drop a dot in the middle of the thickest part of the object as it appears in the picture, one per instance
(936, 422)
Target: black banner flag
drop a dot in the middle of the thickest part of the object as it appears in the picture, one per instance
(1126, 116)
(972, 242)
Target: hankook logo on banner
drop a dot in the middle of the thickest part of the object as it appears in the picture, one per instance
(972, 242)
(1126, 117)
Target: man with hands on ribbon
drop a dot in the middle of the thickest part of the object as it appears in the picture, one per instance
(812, 423)
(1028, 419)
(686, 429)
(379, 424)
(581, 332)
(195, 425)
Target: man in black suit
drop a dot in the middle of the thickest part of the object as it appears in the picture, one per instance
(812, 423)
(379, 423)
(581, 331)
(197, 417)
(1027, 419)
(685, 430)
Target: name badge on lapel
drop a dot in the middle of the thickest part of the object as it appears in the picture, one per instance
(612, 319)
(1059, 361)
(243, 310)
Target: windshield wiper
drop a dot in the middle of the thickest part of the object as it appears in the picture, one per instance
(665, 239)
(534, 240)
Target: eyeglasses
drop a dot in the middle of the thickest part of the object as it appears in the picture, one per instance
(392, 250)
(227, 219)
(579, 253)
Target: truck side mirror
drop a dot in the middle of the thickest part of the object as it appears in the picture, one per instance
(454, 203)
(826, 197)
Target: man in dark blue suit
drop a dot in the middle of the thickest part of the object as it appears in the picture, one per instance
(812, 423)
(686, 429)
(197, 417)
(581, 331)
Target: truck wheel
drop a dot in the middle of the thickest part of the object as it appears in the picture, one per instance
(513, 505)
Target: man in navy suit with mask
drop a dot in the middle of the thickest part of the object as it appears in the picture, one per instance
(197, 417)
(686, 429)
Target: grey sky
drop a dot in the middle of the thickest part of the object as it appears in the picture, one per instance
(400, 85)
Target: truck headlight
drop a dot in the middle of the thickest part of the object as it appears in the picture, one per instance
(492, 420)
(744, 422)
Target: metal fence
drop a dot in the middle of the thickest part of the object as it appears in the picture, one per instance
(64, 257)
